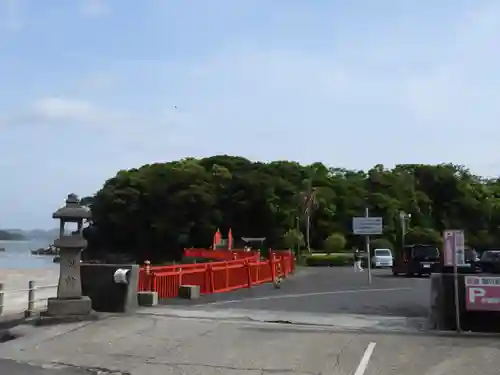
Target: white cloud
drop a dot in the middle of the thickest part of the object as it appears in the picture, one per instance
(52, 110)
(57, 109)
(93, 7)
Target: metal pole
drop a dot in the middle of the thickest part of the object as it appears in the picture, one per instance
(367, 246)
(455, 282)
(1, 298)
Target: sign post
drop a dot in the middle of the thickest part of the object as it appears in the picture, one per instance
(367, 248)
(454, 255)
(366, 226)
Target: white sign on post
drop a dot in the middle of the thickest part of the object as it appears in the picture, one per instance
(367, 226)
(454, 248)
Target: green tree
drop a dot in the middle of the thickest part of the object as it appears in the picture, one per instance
(425, 236)
(381, 243)
(11, 236)
(151, 212)
(293, 239)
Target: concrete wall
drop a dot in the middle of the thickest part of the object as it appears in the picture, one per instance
(106, 295)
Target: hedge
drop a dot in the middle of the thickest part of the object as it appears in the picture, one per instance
(332, 260)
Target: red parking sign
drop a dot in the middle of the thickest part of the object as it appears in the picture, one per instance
(482, 293)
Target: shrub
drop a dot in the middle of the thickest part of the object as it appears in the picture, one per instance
(332, 260)
(329, 260)
(335, 242)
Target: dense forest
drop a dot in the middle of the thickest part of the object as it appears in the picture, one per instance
(157, 209)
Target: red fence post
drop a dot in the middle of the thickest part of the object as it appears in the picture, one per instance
(153, 283)
(209, 279)
(249, 273)
(179, 270)
(273, 271)
(283, 268)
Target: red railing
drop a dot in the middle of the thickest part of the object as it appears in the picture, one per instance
(220, 254)
(216, 277)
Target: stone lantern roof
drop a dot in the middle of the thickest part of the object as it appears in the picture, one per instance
(72, 211)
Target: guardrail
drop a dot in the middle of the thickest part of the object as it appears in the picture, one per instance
(216, 277)
(31, 301)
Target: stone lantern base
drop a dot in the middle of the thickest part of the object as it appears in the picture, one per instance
(68, 311)
(73, 306)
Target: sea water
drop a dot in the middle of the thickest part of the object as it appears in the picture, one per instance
(17, 255)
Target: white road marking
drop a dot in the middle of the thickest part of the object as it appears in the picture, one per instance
(285, 296)
(365, 359)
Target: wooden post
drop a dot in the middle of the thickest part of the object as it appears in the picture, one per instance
(31, 299)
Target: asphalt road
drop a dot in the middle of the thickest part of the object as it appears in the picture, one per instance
(328, 291)
(158, 345)
(334, 318)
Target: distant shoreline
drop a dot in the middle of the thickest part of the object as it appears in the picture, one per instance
(24, 240)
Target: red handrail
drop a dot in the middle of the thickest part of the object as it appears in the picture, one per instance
(246, 269)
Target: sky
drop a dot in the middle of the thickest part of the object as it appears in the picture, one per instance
(90, 87)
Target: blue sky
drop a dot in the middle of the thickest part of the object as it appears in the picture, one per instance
(90, 87)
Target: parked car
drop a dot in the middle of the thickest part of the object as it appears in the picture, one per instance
(382, 258)
(416, 260)
(472, 258)
(490, 261)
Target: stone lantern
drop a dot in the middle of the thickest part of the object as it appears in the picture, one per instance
(69, 300)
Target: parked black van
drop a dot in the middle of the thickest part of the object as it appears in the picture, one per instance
(416, 260)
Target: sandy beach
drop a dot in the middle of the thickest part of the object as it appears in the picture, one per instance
(18, 279)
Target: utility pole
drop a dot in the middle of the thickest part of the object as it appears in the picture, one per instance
(298, 238)
(367, 248)
(309, 200)
(403, 217)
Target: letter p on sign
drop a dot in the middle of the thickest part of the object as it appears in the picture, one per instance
(476, 292)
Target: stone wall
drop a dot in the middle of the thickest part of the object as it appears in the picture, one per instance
(106, 295)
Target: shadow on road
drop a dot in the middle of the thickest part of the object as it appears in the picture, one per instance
(391, 276)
